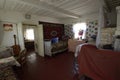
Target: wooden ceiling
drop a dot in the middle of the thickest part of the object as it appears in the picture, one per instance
(112, 4)
(55, 8)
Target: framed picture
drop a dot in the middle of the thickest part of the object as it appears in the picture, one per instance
(8, 27)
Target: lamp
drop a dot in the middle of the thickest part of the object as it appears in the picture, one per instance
(27, 16)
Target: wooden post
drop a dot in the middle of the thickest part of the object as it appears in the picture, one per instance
(16, 48)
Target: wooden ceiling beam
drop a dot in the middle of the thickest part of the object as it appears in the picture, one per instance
(107, 5)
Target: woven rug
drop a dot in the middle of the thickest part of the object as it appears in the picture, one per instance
(7, 73)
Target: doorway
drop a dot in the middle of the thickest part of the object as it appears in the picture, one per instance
(29, 37)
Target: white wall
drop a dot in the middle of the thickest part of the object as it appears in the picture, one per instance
(39, 40)
(118, 21)
(85, 18)
(7, 38)
(91, 17)
(17, 18)
(1, 32)
(20, 36)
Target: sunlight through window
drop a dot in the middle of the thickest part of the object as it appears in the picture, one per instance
(30, 34)
(79, 30)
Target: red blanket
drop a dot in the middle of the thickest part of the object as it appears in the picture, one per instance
(99, 64)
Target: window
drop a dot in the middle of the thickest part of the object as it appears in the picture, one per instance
(79, 30)
(29, 34)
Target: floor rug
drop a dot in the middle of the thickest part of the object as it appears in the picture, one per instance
(7, 73)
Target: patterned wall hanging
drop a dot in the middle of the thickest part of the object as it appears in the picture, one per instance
(92, 29)
(68, 29)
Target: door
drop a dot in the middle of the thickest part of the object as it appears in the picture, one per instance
(29, 39)
(39, 42)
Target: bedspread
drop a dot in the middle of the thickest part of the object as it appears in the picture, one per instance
(59, 47)
(8, 61)
(99, 64)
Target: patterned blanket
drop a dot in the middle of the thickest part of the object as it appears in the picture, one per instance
(7, 73)
(10, 61)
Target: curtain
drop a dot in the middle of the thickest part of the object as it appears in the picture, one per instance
(101, 23)
(68, 29)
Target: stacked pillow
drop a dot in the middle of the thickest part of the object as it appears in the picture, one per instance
(55, 40)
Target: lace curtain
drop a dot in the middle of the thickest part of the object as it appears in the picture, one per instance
(101, 23)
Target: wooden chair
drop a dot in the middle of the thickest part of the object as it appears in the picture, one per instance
(21, 58)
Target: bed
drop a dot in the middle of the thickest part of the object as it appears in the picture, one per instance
(6, 63)
(7, 58)
(98, 64)
(73, 43)
(54, 48)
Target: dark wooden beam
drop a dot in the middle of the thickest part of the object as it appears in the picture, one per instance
(107, 6)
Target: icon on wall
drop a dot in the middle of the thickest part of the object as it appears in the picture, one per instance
(53, 33)
(8, 27)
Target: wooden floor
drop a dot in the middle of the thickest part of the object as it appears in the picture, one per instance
(58, 67)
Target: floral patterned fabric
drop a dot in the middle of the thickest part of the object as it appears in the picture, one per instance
(68, 29)
(8, 62)
(59, 47)
(92, 29)
(7, 73)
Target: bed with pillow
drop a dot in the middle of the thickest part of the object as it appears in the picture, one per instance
(55, 45)
(59, 47)
(98, 64)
